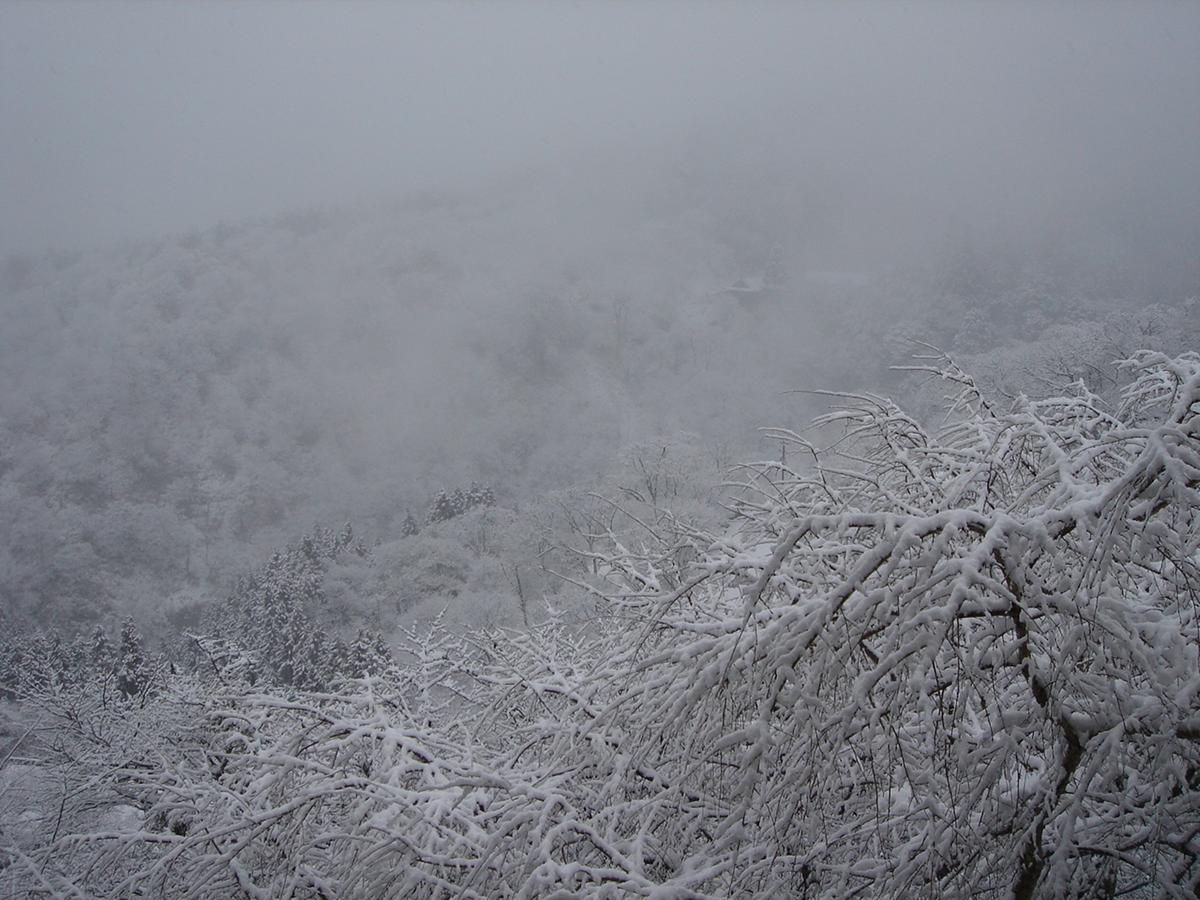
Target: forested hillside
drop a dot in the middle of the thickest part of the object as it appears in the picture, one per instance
(678, 450)
(779, 698)
(569, 447)
(176, 409)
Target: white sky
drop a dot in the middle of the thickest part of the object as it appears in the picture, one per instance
(131, 119)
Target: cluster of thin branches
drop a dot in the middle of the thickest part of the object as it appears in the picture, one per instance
(951, 662)
(954, 663)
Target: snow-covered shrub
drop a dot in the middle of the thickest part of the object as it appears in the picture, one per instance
(952, 664)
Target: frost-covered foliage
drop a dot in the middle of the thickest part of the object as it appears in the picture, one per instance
(1083, 348)
(34, 663)
(273, 629)
(174, 410)
(449, 506)
(956, 663)
(961, 663)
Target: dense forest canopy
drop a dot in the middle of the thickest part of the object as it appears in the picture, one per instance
(213, 395)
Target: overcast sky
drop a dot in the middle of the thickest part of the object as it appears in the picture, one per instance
(129, 120)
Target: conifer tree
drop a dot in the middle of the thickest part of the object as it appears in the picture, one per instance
(441, 510)
(369, 655)
(131, 661)
(448, 506)
(100, 654)
(409, 527)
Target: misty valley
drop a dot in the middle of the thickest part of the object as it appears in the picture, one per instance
(795, 498)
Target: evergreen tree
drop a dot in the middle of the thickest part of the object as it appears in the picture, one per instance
(409, 527)
(273, 613)
(61, 660)
(343, 539)
(100, 653)
(369, 655)
(441, 510)
(480, 495)
(132, 672)
(448, 506)
(337, 660)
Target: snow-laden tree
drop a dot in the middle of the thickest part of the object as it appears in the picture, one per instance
(952, 663)
(448, 506)
(278, 613)
(131, 669)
